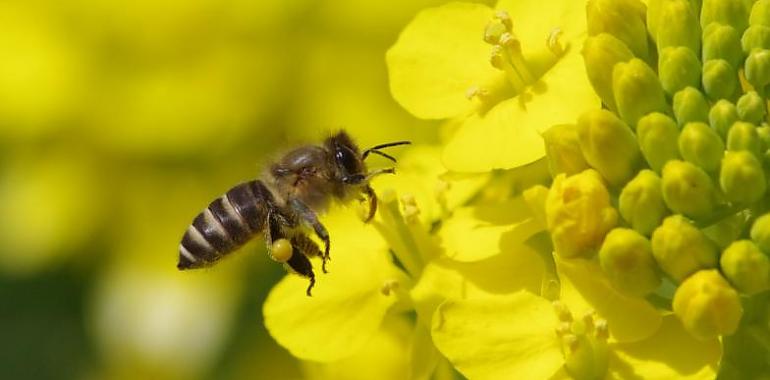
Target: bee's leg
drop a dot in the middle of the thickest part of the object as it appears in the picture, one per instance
(309, 216)
(300, 264)
(308, 247)
(372, 203)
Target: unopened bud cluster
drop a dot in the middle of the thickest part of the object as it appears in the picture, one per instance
(668, 178)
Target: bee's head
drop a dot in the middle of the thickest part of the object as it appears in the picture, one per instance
(347, 158)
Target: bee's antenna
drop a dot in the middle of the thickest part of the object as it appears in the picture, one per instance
(376, 149)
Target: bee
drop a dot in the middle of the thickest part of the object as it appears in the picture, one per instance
(285, 202)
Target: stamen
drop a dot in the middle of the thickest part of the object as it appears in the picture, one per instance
(500, 62)
(513, 46)
(389, 287)
(562, 312)
(553, 41)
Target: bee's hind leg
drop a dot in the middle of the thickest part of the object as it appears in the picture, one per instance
(309, 216)
(300, 264)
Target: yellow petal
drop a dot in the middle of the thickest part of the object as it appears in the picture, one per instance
(672, 353)
(504, 337)
(479, 232)
(508, 135)
(445, 279)
(585, 287)
(438, 57)
(347, 306)
(384, 357)
(419, 173)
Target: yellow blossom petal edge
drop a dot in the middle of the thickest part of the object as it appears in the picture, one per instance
(584, 286)
(476, 233)
(672, 353)
(508, 136)
(348, 304)
(504, 337)
(438, 57)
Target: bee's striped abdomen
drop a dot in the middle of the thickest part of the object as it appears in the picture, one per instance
(226, 224)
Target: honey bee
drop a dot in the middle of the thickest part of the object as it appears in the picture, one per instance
(283, 203)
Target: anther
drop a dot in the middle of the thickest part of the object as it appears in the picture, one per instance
(562, 312)
(571, 342)
(389, 286)
(601, 330)
(505, 19)
(553, 41)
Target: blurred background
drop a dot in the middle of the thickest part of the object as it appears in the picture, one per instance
(121, 120)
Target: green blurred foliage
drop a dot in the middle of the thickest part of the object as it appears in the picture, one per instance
(119, 122)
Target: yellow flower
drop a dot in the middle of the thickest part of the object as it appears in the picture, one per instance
(440, 69)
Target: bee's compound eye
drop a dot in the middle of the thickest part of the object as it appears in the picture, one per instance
(281, 250)
(347, 160)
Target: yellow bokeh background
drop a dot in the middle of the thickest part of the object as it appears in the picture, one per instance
(119, 122)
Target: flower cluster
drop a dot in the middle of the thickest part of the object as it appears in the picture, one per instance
(598, 208)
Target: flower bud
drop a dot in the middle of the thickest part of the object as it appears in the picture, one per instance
(690, 105)
(563, 150)
(720, 79)
(729, 12)
(608, 145)
(755, 37)
(641, 202)
(701, 145)
(707, 305)
(746, 267)
(600, 53)
(764, 138)
(751, 107)
(760, 13)
(657, 136)
(678, 67)
(681, 249)
(722, 41)
(743, 136)
(579, 213)
(741, 177)
(678, 26)
(626, 258)
(760, 232)
(722, 116)
(622, 19)
(637, 91)
(757, 70)
(688, 190)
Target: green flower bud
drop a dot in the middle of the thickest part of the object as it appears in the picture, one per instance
(722, 116)
(722, 41)
(701, 145)
(757, 70)
(755, 37)
(760, 13)
(600, 53)
(678, 26)
(760, 232)
(681, 249)
(720, 79)
(741, 178)
(743, 136)
(678, 67)
(563, 150)
(608, 145)
(622, 19)
(641, 202)
(690, 106)
(729, 12)
(637, 91)
(707, 305)
(578, 213)
(746, 267)
(751, 107)
(688, 190)
(658, 135)
(764, 138)
(626, 258)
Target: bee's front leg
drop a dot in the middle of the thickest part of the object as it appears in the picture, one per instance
(310, 217)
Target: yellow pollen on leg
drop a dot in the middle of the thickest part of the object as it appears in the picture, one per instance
(281, 250)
